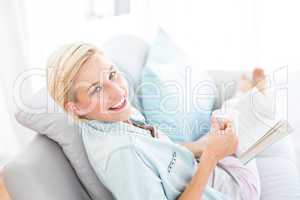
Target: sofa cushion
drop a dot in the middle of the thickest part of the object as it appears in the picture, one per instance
(55, 124)
(42, 172)
(176, 96)
(279, 180)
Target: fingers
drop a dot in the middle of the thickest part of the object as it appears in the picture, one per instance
(215, 126)
(224, 124)
(225, 127)
(229, 127)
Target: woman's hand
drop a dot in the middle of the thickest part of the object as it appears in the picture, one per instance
(222, 140)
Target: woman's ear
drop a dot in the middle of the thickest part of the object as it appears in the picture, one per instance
(75, 109)
(72, 108)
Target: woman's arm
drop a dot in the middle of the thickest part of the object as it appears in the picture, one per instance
(196, 147)
(219, 143)
(195, 188)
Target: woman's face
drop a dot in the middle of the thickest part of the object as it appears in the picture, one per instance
(100, 91)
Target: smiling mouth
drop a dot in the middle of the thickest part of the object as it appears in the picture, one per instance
(120, 105)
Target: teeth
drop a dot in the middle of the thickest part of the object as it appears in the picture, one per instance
(119, 104)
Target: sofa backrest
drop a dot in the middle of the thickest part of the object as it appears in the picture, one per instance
(42, 172)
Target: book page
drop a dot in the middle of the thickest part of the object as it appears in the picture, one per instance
(280, 130)
(251, 128)
(254, 118)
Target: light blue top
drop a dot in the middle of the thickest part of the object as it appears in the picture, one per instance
(135, 166)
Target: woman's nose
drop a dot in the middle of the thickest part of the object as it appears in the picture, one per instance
(115, 91)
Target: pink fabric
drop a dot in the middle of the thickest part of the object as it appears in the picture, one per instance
(247, 177)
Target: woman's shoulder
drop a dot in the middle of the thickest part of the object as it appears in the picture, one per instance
(100, 147)
(104, 142)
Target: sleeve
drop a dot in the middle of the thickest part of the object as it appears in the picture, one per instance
(128, 177)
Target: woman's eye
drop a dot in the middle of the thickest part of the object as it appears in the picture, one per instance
(97, 89)
(112, 75)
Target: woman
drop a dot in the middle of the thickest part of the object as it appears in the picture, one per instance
(132, 159)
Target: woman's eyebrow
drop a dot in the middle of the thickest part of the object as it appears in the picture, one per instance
(109, 68)
(93, 84)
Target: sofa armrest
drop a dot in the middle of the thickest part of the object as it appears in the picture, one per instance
(278, 172)
(42, 172)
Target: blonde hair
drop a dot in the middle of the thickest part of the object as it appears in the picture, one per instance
(63, 65)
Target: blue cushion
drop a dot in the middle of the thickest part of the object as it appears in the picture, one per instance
(176, 97)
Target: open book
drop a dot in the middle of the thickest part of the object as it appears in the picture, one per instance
(255, 122)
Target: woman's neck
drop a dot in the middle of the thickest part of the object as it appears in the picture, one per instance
(128, 122)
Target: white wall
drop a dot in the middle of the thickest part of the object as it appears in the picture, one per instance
(234, 34)
(13, 61)
(217, 34)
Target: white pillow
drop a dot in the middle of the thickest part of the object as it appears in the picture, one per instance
(55, 124)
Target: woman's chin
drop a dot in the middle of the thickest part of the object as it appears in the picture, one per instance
(123, 115)
(127, 113)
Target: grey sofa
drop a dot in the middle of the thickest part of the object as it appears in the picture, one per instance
(42, 172)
